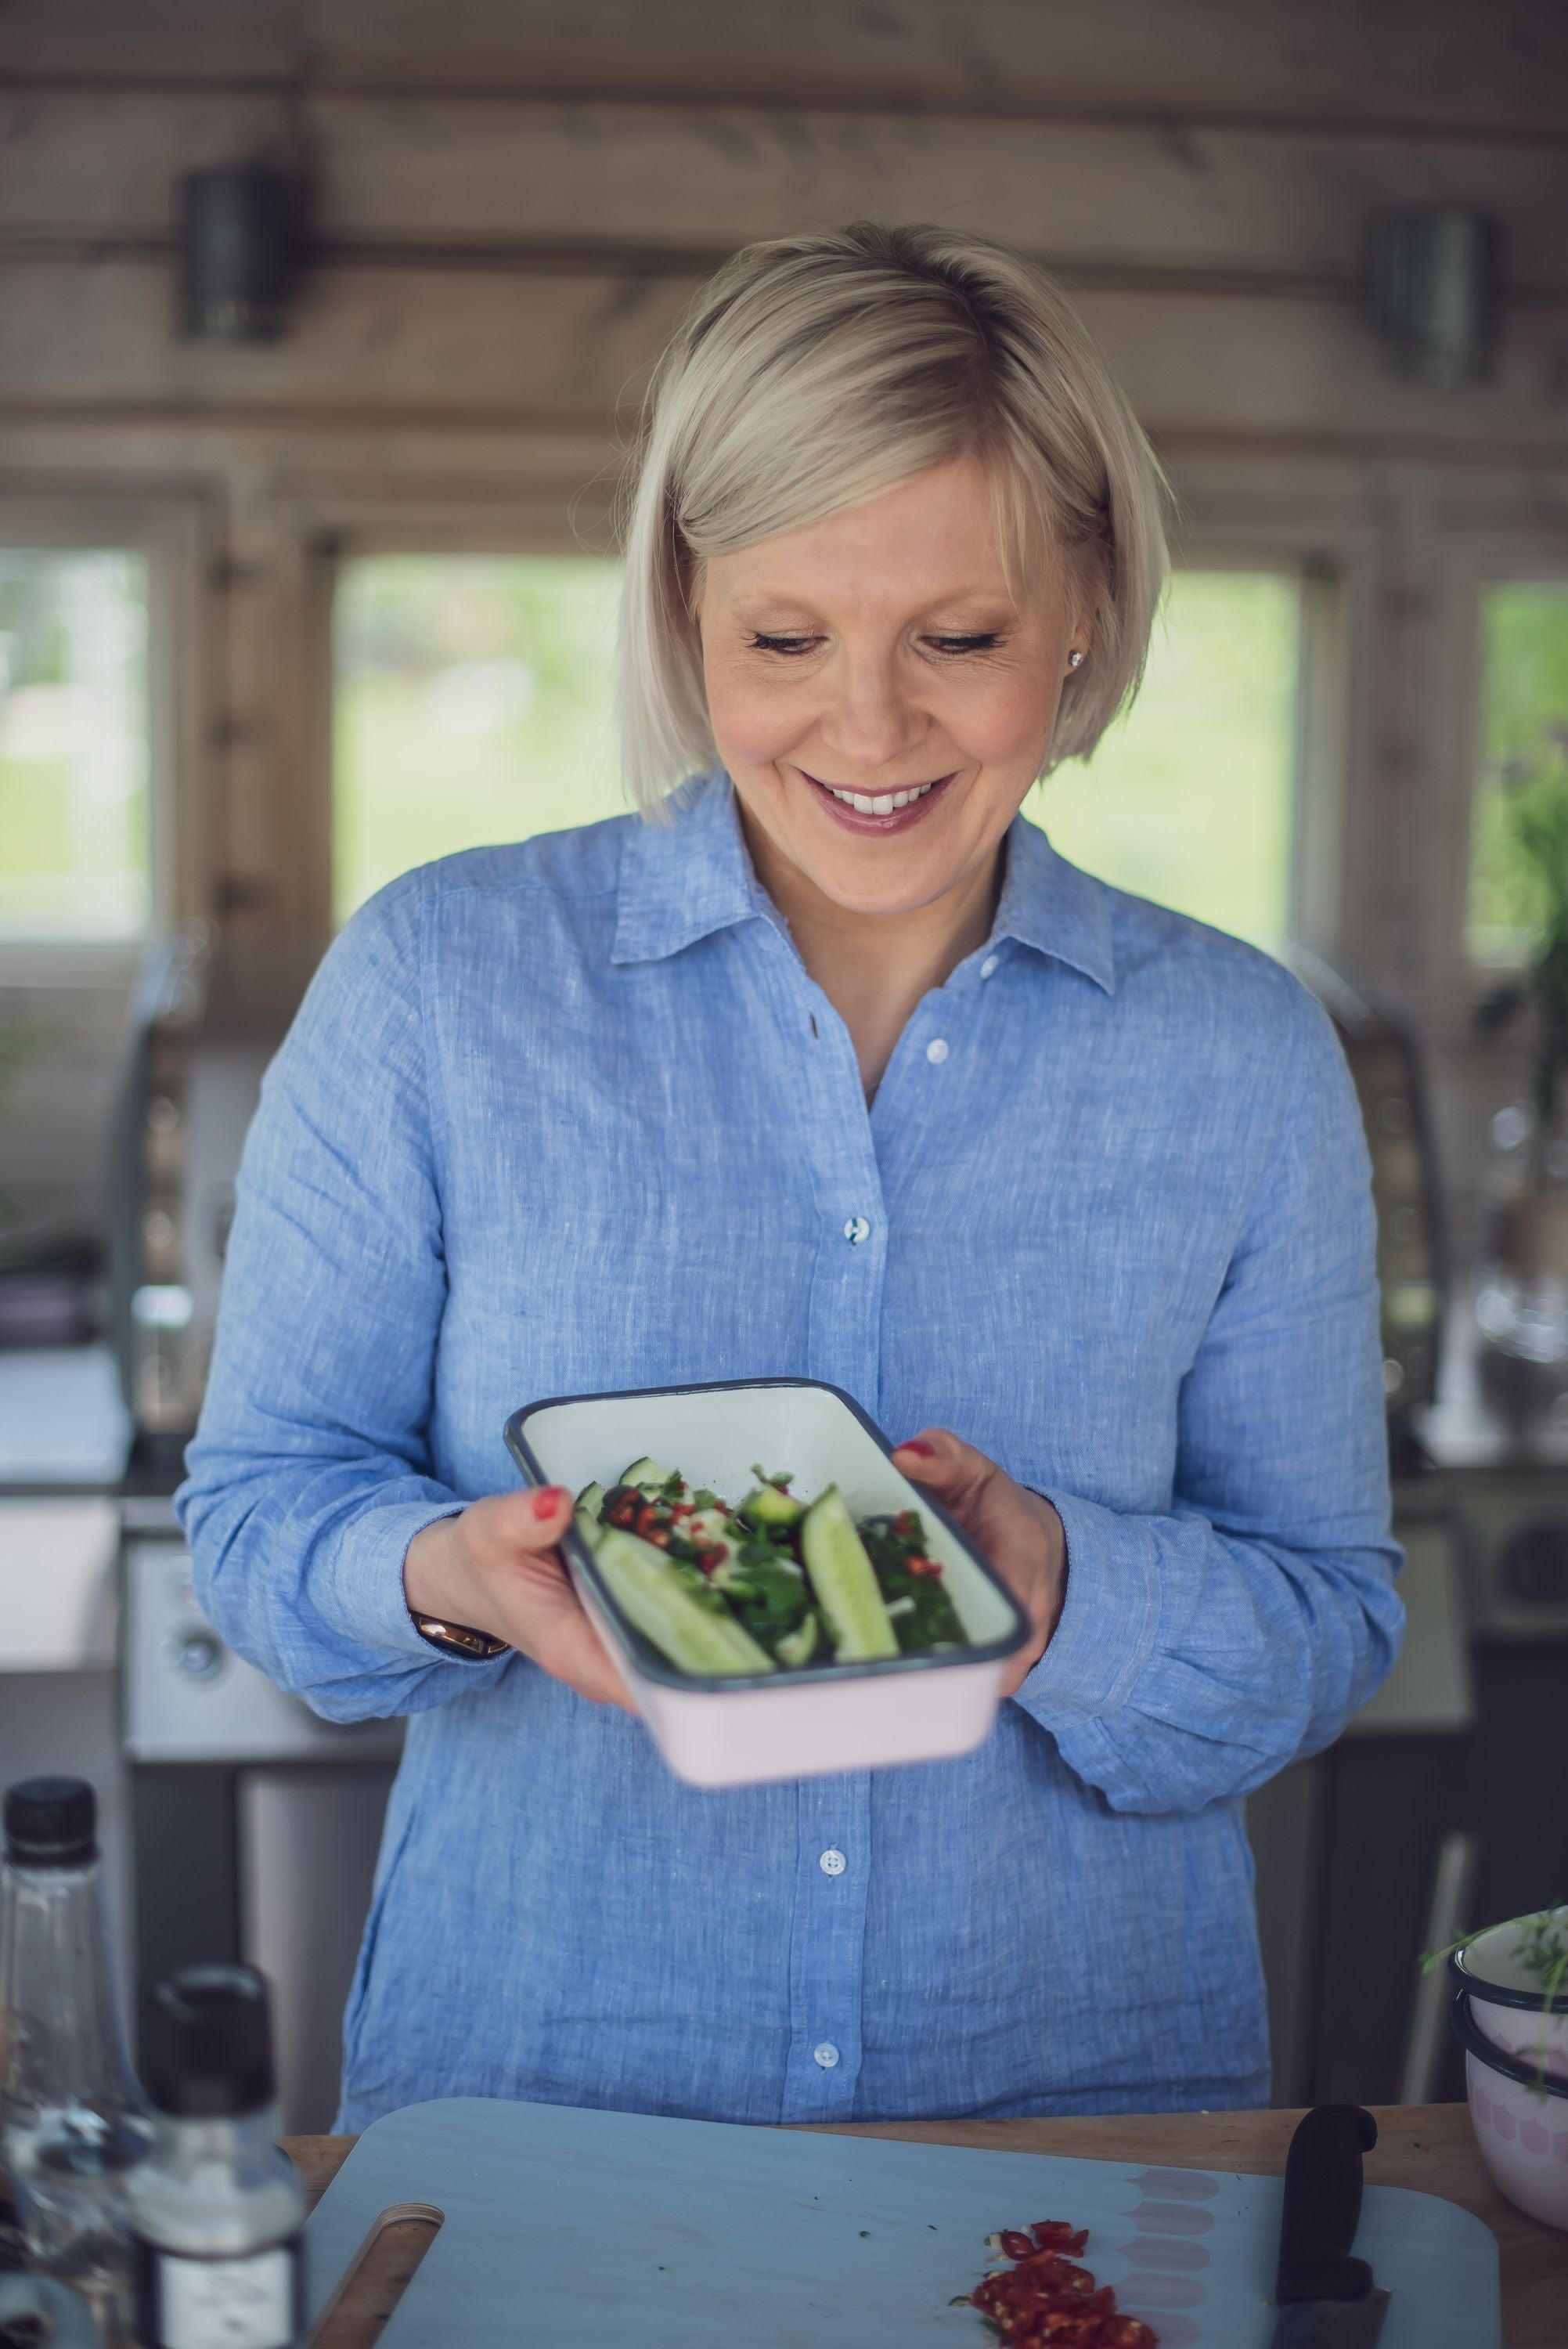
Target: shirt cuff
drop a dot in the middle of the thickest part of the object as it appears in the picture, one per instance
(1110, 1614)
(364, 1585)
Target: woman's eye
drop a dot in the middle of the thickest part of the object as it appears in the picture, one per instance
(786, 645)
(984, 643)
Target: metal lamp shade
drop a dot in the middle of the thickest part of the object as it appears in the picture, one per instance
(1433, 273)
(237, 253)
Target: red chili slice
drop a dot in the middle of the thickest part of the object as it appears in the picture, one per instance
(1045, 2301)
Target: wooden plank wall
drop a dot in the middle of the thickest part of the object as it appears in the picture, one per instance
(509, 203)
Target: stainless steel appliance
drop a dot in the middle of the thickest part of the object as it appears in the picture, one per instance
(254, 1823)
(204, 1025)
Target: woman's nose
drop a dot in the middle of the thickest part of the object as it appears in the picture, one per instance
(870, 719)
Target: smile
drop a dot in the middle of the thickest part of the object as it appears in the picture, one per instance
(881, 811)
(883, 802)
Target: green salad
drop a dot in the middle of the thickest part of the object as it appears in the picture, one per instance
(770, 1585)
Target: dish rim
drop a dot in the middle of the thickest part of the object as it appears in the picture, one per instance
(655, 1666)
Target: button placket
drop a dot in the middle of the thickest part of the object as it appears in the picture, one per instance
(827, 1948)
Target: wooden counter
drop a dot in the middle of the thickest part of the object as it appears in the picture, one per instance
(1428, 2147)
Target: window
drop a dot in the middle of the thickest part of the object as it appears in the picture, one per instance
(1189, 799)
(1521, 760)
(472, 702)
(74, 763)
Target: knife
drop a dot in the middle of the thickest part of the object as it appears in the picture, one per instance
(1326, 2299)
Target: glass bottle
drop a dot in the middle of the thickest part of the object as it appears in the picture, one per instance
(219, 2209)
(73, 2120)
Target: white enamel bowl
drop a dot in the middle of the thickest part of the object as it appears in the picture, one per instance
(1505, 2002)
(734, 1732)
(1520, 2116)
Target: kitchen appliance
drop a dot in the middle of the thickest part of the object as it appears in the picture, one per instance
(1385, 1063)
(204, 1024)
(698, 2235)
(254, 1824)
(733, 1731)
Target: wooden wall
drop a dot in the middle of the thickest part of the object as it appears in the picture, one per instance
(510, 202)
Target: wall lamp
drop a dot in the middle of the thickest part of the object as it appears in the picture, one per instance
(239, 252)
(1434, 284)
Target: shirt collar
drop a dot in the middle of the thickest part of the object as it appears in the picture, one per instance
(683, 880)
(1051, 906)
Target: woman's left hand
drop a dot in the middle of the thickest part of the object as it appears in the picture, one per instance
(1019, 1532)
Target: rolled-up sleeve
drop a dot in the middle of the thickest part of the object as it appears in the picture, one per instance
(1200, 1651)
(309, 1475)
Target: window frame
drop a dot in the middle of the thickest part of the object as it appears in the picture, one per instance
(1478, 559)
(174, 536)
(327, 529)
(1334, 559)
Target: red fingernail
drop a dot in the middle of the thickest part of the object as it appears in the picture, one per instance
(548, 1499)
(921, 1450)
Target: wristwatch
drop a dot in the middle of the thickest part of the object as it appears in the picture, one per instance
(457, 1639)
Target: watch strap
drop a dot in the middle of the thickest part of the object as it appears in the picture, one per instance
(458, 1640)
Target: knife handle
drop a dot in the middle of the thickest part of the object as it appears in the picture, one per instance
(1323, 2207)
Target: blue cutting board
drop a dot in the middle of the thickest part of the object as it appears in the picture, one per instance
(571, 2228)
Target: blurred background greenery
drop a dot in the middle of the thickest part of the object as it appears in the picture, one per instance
(1523, 731)
(74, 751)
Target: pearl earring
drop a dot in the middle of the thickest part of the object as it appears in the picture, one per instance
(1075, 659)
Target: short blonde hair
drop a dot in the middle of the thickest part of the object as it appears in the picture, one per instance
(814, 372)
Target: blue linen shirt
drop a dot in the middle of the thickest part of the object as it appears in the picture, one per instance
(572, 1116)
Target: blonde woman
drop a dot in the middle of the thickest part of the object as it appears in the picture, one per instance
(822, 1064)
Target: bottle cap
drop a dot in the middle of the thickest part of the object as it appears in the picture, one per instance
(207, 2044)
(51, 1823)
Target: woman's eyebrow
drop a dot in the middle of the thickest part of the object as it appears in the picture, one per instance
(757, 604)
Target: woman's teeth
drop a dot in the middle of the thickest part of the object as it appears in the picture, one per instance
(883, 804)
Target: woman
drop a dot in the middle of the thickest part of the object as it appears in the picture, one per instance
(832, 1069)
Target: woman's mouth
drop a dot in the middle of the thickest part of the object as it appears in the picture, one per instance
(887, 811)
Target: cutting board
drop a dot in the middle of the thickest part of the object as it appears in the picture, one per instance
(570, 2228)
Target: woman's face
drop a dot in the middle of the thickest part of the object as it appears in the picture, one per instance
(881, 654)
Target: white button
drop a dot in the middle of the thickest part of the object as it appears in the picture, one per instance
(937, 1049)
(832, 1862)
(991, 966)
(826, 2054)
(856, 1230)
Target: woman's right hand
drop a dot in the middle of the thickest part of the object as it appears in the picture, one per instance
(496, 1567)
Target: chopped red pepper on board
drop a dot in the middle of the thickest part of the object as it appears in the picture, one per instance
(1044, 2301)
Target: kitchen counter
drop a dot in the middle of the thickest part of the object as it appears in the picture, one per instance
(1428, 2147)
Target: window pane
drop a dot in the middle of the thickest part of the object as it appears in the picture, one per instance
(1189, 799)
(73, 743)
(1522, 760)
(473, 703)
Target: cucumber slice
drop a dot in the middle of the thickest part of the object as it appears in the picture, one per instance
(797, 1647)
(645, 1474)
(587, 1520)
(845, 1582)
(770, 1507)
(651, 1595)
(590, 1501)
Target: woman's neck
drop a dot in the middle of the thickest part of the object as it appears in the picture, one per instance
(873, 968)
